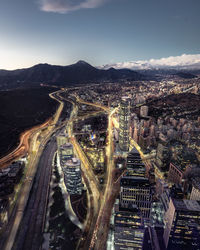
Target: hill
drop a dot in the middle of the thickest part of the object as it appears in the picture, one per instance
(20, 110)
(78, 73)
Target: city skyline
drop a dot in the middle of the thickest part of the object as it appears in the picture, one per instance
(104, 163)
(99, 32)
(100, 124)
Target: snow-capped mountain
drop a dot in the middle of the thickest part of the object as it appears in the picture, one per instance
(183, 62)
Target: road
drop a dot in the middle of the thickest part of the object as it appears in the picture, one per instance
(98, 224)
(34, 157)
(29, 235)
(92, 185)
(100, 233)
(100, 205)
(23, 146)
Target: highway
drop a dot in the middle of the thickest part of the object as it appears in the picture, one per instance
(34, 157)
(100, 232)
(97, 225)
(94, 194)
(29, 235)
(86, 166)
(31, 205)
(23, 146)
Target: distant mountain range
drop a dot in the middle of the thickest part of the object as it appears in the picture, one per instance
(185, 66)
(78, 73)
(178, 63)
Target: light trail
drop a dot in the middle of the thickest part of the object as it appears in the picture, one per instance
(98, 240)
(97, 221)
(23, 146)
(31, 171)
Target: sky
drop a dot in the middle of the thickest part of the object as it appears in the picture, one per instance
(100, 32)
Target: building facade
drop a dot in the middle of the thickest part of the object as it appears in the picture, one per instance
(182, 230)
(175, 174)
(135, 166)
(124, 117)
(195, 193)
(72, 176)
(129, 231)
(71, 167)
(136, 192)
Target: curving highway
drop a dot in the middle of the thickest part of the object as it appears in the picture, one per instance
(35, 156)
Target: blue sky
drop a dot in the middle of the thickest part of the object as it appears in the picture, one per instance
(97, 31)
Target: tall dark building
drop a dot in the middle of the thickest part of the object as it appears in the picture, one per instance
(129, 232)
(124, 117)
(135, 166)
(136, 191)
(182, 230)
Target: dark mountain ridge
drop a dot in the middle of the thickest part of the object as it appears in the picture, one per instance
(78, 73)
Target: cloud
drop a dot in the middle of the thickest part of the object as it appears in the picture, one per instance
(183, 61)
(65, 6)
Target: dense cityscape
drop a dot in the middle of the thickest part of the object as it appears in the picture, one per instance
(99, 125)
(118, 170)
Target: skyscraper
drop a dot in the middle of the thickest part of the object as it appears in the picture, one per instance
(124, 117)
(182, 229)
(135, 166)
(136, 191)
(72, 176)
(129, 230)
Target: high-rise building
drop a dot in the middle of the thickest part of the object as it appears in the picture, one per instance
(177, 191)
(144, 111)
(72, 176)
(136, 191)
(135, 166)
(129, 230)
(182, 229)
(71, 168)
(124, 117)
